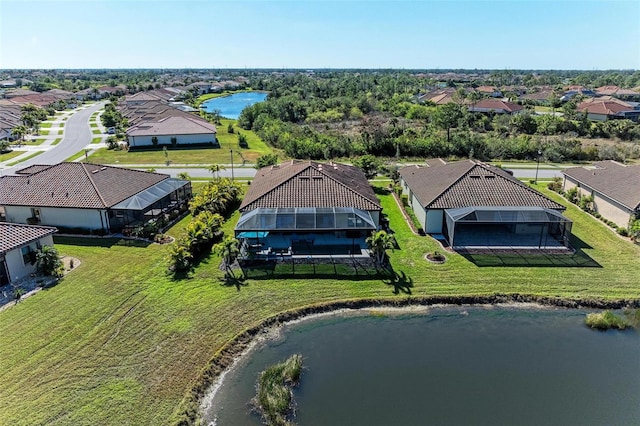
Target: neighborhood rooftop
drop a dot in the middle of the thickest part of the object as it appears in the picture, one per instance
(469, 183)
(310, 184)
(615, 180)
(13, 235)
(79, 185)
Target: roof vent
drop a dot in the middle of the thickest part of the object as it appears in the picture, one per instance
(474, 176)
(103, 168)
(95, 171)
(52, 194)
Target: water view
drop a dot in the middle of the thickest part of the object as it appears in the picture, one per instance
(449, 365)
(231, 106)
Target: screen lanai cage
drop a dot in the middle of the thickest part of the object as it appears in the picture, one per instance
(304, 231)
(506, 227)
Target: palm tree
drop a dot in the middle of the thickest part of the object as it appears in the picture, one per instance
(229, 249)
(215, 169)
(19, 132)
(378, 243)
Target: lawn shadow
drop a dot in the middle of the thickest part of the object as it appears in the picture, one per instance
(355, 271)
(233, 281)
(401, 283)
(529, 258)
(104, 242)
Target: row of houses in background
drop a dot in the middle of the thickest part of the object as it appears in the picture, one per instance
(303, 209)
(603, 103)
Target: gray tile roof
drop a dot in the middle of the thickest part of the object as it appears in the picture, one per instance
(173, 126)
(13, 235)
(614, 180)
(310, 184)
(75, 185)
(470, 184)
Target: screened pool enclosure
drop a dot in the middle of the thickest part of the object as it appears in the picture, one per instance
(304, 231)
(506, 227)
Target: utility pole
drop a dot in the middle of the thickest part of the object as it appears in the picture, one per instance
(231, 152)
(538, 165)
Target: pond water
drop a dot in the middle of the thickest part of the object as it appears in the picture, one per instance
(231, 106)
(448, 365)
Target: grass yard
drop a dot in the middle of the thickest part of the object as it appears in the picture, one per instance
(9, 155)
(57, 141)
(45, 125)
(96, 131)
(44, 132)
(120, 342)
(93, 124)
(28, 157)
(200, 156)
(96, 140)
(60, 132)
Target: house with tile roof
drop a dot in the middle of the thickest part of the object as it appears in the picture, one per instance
(473, 204)
(615, 189)
(174, 130)
(18, 245)
(608, 108)
(496, 106)
(89, 198)
(304, 208)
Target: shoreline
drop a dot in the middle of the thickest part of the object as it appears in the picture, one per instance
(190, 409)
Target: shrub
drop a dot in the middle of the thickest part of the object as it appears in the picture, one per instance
(230, 128)
(180, 257)
(623, 232)
(48, 262)
(606, 320)
(555, 185)
(572, 195)
(274, 395)
(242, 141)
(266, 160)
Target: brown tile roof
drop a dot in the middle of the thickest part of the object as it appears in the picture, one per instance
(614, 180)
(495, 105)
(75, 185)
(310, 184)
(604, 107)
(13, 235)
(470, 184)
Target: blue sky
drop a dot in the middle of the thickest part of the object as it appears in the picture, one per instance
(423, 34)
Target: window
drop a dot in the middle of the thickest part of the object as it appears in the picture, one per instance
(3, 214)
(28, 255)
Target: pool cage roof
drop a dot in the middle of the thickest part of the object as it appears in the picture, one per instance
(305, 218)
(149, 196)
(504, 215)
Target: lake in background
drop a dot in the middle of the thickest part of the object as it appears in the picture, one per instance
(231, 106)
(451, 365)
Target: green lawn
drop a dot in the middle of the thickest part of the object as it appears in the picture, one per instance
(56, 142)
(192, 156)
(93, 124)
(96, 140)
(25, 158)
(96, 131)
(120, 342)
(44, 132)
(9, 155)
(38, 141)
(45, 125)
(60, 132)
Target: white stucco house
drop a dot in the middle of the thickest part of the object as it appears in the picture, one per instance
(615, 189)
(18, 245)
(174, 130)
(472, 204)
(89, 198)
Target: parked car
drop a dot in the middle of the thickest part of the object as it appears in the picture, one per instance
(111, 130)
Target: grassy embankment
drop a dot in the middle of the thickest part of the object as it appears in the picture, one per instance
(192, 156)
(119, 342)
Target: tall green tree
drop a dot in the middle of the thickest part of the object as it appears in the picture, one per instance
(379, 242)
(447, 117)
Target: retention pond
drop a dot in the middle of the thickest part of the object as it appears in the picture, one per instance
(231, 106)
(445, 365)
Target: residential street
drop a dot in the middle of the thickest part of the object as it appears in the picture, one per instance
(77, 135)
